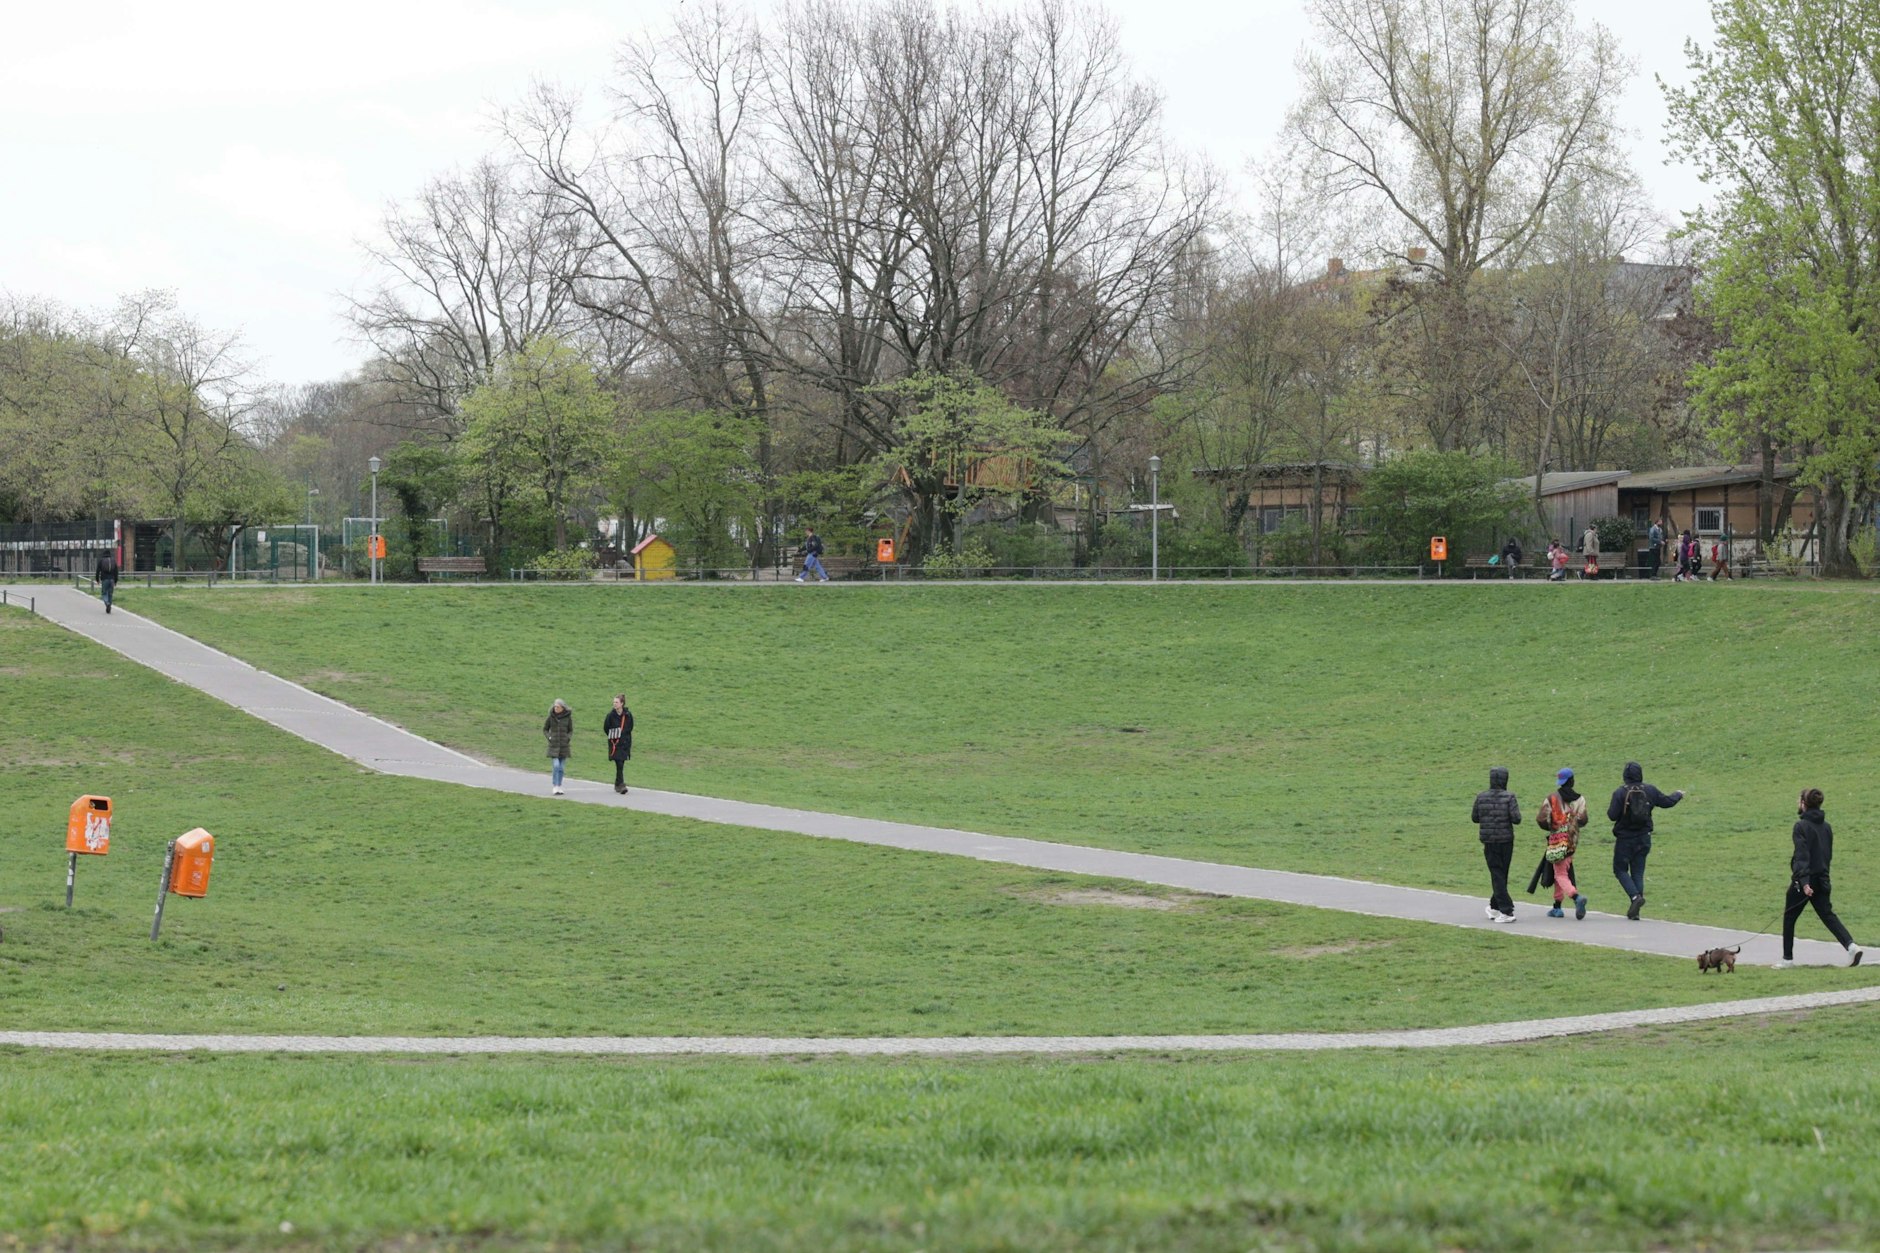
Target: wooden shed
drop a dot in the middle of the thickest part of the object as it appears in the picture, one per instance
(655, 558)
(1572, 498)
(1717, 501)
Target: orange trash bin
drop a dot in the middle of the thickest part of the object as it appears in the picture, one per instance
(88, 826)
(195, 853)
(884, 551)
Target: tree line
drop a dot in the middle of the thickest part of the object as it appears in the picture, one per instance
(878, 266)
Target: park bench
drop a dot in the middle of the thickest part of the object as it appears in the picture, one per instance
(835, 567)
(428, 566)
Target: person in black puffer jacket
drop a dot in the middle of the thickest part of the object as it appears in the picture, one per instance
(1808, 879)
(1630, 812)
(1496, 815)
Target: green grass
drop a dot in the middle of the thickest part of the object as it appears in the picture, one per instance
(349, 902)
(1341, 730)
(1734, 1136)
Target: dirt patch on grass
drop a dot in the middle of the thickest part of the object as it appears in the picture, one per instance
(313, 678)
(1331, 950)
(1117, 900)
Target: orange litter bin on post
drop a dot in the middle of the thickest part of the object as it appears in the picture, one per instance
(185, 870)
(884, 551)
(1439, 548)
(87, 831)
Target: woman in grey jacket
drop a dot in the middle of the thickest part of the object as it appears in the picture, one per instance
(559, 732)
(1808, 879)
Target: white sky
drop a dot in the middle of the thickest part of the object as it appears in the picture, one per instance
(238, 152)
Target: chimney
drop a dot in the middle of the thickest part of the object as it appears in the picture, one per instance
(1335, 267)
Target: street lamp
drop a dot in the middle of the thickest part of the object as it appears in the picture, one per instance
(373, 464)
(1155, 518)
(313, 553)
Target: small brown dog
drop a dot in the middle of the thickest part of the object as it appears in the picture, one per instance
(1720, 959)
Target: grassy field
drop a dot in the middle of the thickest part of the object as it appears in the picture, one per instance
(351, 903)
(1738, 1136)
(1334, 729)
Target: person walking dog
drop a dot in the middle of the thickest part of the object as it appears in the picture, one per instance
(619, 728)
(558, 730)
(1808, 879)
(1630, 812)
(1562, 815)
(1496, 815)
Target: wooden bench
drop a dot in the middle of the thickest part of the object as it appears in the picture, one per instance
(428, 566)
(834, 567)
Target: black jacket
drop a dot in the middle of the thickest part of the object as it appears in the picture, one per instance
(1624, 828)
(107, 569)
(812, 546)
(1497, 813)
(620, 749)
(1814, 846)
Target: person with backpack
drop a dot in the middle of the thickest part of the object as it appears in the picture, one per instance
(1562, 815)
(106, 573)
(1496, 815)
(1808, 879)
(619, 728)
(1719, 561)
(1630, 812)
(812, 557)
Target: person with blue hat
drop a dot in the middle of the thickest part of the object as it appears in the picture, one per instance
(1562, 815)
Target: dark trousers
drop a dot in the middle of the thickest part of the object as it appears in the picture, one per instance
(620, 772)
(1628, 865)
(1799, 900)
(106, 587)
(1657, 558)
(1499, 855)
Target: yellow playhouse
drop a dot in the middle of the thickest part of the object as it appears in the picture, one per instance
(654, 558)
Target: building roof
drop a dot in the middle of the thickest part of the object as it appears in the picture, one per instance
(1688, 478)
(648, 542)
(1280, 470)
(1555, 482)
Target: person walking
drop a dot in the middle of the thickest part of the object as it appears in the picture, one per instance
(812, 557)
(1630, 812)
(1497, 814)
(106, 573)
(558, 730)
(1562, 815)
(1720, 560)
(619, 728)
(1808, 879)
(1589, 544)
(1557, 557)
(1655, 548)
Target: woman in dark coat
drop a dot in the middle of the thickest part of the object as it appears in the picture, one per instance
(619, 728)
(1808, 879)
(559, 731)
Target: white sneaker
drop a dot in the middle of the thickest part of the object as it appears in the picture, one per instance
(1493, 916)
(1854, 953)
(1784, 964)
(799, 578)
(1505, 918)
(558, 792)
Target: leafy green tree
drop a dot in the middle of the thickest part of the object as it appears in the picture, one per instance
(541, 426)
(700, 472)
(422, 478)
(1408, 499)
(955, 443)
(1783, 115)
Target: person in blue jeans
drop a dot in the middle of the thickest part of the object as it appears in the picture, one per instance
(558, 729)
(107, 575)
(812, 557)
(1630, 812)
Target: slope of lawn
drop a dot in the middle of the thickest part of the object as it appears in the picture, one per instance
(1722, 1137)
(1336, 729)
(347, 902)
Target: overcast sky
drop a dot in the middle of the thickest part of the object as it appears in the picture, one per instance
(238, 152)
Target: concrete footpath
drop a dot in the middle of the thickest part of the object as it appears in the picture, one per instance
(373, 742)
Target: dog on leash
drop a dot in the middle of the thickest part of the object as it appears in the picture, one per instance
(1718, 959)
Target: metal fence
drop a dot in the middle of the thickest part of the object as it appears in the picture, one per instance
(872, 573)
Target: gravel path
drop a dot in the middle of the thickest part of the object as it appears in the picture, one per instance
(949, 1046)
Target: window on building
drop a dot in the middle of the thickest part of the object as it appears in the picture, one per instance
(1641, 518)
(1709, 520)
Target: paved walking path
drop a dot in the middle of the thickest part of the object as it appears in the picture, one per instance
(948, 1046)
(378, 744)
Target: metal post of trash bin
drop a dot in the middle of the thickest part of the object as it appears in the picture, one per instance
(71, 874)
(163, 887)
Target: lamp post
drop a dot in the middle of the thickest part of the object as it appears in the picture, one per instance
(1155, 518)
(313, 553)
(373, 464)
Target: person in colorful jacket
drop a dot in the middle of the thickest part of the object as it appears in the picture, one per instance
(1562, 816)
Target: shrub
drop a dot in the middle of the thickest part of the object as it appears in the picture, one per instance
(973, 558)
(1205, 551)
(566, 561)
(1023, 545)
(1616, 535)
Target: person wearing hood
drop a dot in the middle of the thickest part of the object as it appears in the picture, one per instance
(1562, 815)
(1496, 815)
(1808, 879)
(1630, 812)
(558, 730)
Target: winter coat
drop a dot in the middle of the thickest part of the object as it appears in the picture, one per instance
(107, 569)
(1497, 813)
(1814, 846)
(1589, 543)
(1624, 828)
(619, 728)
(560, 732)
(813, 546)
(1567, 832)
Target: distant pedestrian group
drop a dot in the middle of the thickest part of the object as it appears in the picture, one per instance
(558, 730)
(1564, 814)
